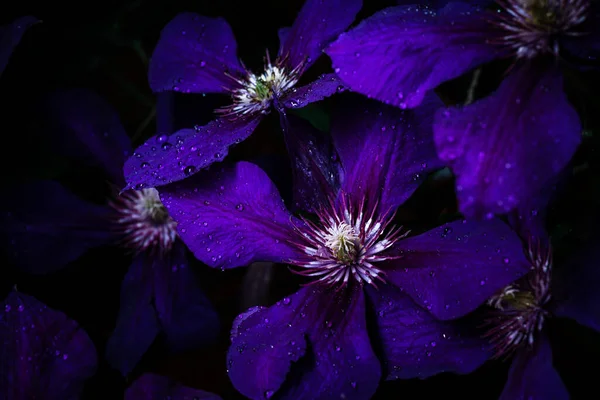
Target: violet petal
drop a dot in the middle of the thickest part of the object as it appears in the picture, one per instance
(164, 159)
(340, 363)
(10, 36)
(137, 323)
(44, 226)
(43, 354)
(154, 387)
(453, 269)
(318, 23)
(193, 54)
(187, 318)
(417, 345)
(532, 376)
(506, 147)
(385, 152)
(87, 128)
(315, 165)
(414, 49)
(324, 86)
(231, 216)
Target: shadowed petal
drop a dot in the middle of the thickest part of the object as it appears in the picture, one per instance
(193, 54)
(339, 361)
(385, 152)
(453, 269)
(43, 226)
(318, 23)
(505, 148)
(137, 324)
(414, 48)
(156, 387)
(315, 164)
(417, 345)
(532, 376)
(326, 85)
(43, 354)
(87, 128)
(231, 216)
(10, 36)
(264, 344)
(164, 159)
(187, 318)
(575, 286)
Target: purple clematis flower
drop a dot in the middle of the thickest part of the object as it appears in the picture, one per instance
(502, 148)
(43, 354)
(10, 36)
(152, 386)
(314, 344)
(517, 328)
(198, 54)
(159, 294)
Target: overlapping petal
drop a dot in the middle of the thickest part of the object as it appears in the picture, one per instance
(399, 54)
(417, 345)
(386, 153)
(532, 376)
(164, 159)
(43, 354)
(44, 226)
(193, 54)
(324, 86)
(231, 216)
(506, 147)
(318, 23)
(453, 269)
(339, 360)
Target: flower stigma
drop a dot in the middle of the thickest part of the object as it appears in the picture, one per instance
(144, 221)
(520, 308)
(532, 27)
(344, 246)
(254, 93)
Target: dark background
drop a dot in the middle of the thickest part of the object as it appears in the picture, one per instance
(105, 46)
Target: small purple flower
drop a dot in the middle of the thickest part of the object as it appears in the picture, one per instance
(502, 148)
(198, 54)
(10, 36)
(43, 354)
(46, 226)
(152, 386)
(314, 344)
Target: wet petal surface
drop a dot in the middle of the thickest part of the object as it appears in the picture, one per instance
(417, 345)
(43, 354)
(453, 269)
(414, 48)
(164, 159)
(324, 86)
(231, 216)
(506, 147)
(193, 54)
(318, 23)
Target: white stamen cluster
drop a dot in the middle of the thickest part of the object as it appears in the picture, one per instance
(521, 307)
(344, 245)
(144, 221)
(532, 27)
(255, 93)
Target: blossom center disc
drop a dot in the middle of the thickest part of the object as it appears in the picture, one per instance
(532, 27)
(521, 307)
(254, 93)
(144, 220)
(345, 246)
